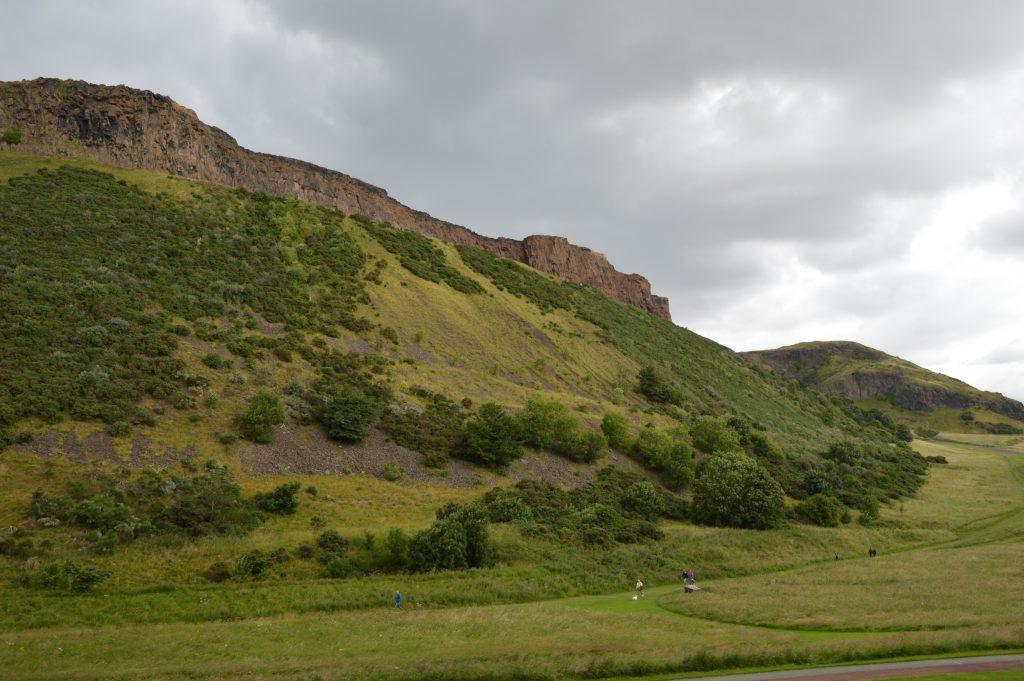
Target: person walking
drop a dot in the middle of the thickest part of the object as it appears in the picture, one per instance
(639, 588)
(398, 600)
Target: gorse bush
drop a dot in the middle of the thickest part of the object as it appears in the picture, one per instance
(655, 386)
(12, 135)
(493, 438)
(119, 509)
(349, 417)
(823, 510)
(283, 500)
(265, 411)
(436, 430)
(616, 430)
(66, 576)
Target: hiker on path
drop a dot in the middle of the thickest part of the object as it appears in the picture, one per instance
(690, 577)
(639, 588)
(398, 600)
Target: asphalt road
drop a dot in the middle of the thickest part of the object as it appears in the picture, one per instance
(887, 670)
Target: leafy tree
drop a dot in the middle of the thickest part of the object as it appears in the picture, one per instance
(711, 434)
(616, 428)
(544, 422)
(493, 438)
(12, 135)
(349, 417)
(265, 411)
(733, 490)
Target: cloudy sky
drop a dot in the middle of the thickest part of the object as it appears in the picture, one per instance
(783, 171)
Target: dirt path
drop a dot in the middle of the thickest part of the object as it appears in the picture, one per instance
(887, 670)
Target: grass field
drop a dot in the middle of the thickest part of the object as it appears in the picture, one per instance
(936, 588)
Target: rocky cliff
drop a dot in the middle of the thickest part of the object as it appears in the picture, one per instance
(141, 129)
(859, 372)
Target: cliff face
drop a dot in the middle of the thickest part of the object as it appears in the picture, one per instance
(140, 129)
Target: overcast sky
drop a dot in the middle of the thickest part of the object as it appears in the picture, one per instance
(782, 171)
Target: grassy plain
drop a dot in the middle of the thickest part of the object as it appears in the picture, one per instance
(932, 591)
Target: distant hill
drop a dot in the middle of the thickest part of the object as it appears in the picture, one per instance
(862, 373)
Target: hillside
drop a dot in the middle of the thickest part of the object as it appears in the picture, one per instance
(861, 373)
(139, 129)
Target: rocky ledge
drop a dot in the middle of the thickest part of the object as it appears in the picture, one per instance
(141, 129)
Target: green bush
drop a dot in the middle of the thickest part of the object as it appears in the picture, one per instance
(655, 386)
(616, 428)
(436, 431)
(493, 438)
(392, 471)
(349, 417)
(733, 490)
(213, 360)
(668, 453)
(265, 411)
(643, 499)
(396, 549)
(66, 576)
(458, 539)
(12, 135)
(823, 510)
(332, 543)
(711, 434)
(283, 500)
(338, 568)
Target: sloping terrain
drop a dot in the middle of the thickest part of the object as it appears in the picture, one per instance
(862, 373)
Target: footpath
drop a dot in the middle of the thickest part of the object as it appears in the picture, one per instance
(886, 670)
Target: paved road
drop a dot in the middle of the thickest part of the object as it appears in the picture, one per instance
(888, 670)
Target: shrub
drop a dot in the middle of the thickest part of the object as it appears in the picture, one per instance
(396, 549)
(669, 454)
(392, 471)
(282, 501)
(338, 568)
(616, 428)
(435, 431)
(265, 411)
(505, 507)
(937, 458)
(493, 438)
(823, 510)
(66, 576)
(655, 386)
(544, 422)
(733, 490)
(582, 445)
(350, 416)
(711, 434)
(390, 334)
(213, 360)
(218, 572)
(643, 499)
(12, 135)
(457, 539)
(332, 543)
(253, 564)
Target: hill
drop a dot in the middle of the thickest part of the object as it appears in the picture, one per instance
(140, 129)
(861, 373)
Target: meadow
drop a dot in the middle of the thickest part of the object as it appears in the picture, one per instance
(936, 588)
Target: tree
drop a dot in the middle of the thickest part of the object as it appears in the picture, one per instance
(457, 539)
(493, 438)
(282, 501)
(265, 410)
(733, 490)
(643, 499)
(12, 135)
(350, 416)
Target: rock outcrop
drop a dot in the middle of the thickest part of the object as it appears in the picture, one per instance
(141, 129)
